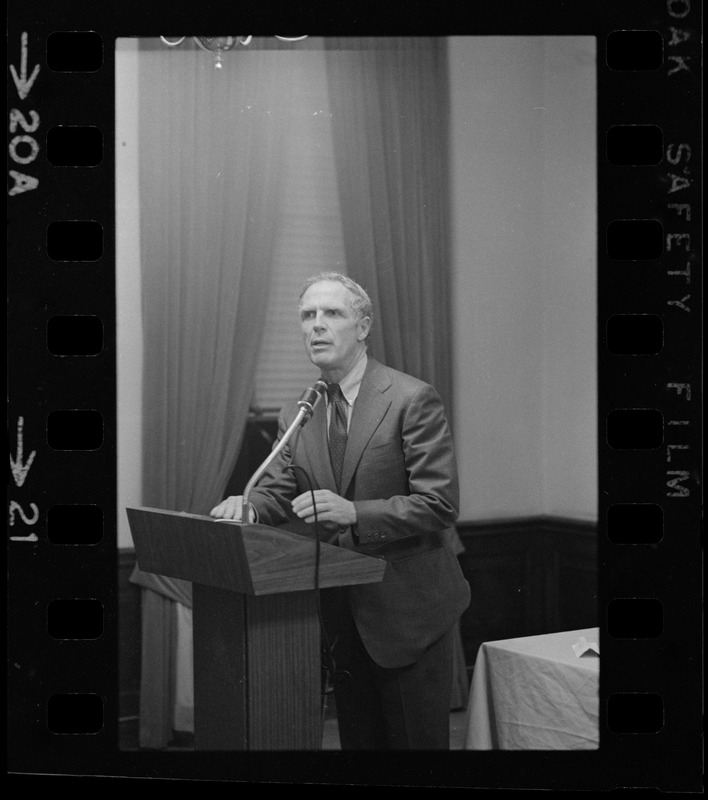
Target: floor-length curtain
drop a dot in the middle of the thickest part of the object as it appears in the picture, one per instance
(390, 106)
(211, 156)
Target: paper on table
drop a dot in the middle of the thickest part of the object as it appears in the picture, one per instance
(584, 648)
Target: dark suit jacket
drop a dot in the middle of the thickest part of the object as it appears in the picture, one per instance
(400, 472)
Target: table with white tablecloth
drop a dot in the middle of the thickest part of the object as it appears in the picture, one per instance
(535, 693)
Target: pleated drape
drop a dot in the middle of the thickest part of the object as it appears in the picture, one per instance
(212, 150)
(390, 108)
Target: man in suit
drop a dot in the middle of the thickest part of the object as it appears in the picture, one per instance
(380, 458)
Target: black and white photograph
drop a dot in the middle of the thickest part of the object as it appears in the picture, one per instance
(437, 198)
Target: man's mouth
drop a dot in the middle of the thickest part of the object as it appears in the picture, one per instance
(319, 343)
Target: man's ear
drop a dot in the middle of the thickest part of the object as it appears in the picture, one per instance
(364, 328)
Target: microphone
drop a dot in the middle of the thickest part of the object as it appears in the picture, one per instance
(310, 397)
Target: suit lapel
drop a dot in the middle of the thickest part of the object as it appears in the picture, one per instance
(369, 409)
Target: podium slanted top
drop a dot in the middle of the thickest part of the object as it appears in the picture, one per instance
(250, 559)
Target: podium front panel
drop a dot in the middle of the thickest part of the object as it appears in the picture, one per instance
(257, 671)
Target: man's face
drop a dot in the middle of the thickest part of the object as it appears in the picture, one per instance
(334, 336)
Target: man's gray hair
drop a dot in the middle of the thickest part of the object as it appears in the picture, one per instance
(360, 302)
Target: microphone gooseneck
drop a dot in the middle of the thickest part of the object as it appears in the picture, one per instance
(307, 403)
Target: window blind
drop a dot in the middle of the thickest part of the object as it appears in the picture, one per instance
(309, 237)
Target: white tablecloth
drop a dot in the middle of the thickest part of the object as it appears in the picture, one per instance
(534, 693)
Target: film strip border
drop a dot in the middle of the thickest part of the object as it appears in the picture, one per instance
(62, 419)
(650, 435)
(63, 683)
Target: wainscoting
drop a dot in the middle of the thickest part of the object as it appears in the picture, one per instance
(527, 575)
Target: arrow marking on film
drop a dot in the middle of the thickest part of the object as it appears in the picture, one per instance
(21, 81)
(20, 469)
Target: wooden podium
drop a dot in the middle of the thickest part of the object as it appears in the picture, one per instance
(257, 662)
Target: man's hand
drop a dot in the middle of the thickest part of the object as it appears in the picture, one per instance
(231, 509)
(330, 508)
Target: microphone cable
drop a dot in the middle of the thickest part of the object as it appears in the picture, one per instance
(327, 648)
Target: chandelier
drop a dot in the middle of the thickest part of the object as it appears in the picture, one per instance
(218, 45)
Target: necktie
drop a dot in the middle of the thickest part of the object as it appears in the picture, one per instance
(337, 429)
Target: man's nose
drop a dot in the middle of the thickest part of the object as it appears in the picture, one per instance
(319, 321)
